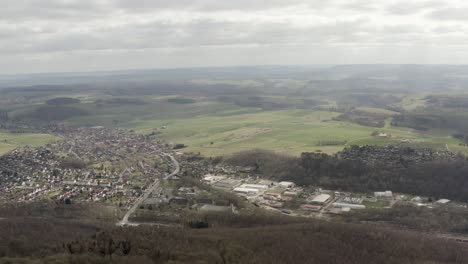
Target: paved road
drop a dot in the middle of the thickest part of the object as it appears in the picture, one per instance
(326, 207)
(121, 175)
(176, 164)
(74, 153)
(148, 192)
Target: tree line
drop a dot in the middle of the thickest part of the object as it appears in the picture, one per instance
(437, 178)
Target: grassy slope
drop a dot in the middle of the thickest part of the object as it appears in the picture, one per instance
(288, 131)
(10, 141)
(215, 128)
(130, 115)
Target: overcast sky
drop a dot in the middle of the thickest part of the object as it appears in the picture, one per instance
(88, 35)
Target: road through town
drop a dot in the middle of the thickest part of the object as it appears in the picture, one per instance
(148, 192)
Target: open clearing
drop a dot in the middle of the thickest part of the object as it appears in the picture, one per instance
(286, 131)
(10, 141)
(220, 128)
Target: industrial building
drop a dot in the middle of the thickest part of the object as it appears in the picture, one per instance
(208, 178)
(243, 190)
(386, 194)
(287, 184)
(347, 205)
(443, 201)
(254, 186)
(353, 200)
(321, 199)
(269, 196)
(290, 193)
(226, 184)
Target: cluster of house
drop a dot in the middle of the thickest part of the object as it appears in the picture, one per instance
(90, 164)
(105, 164)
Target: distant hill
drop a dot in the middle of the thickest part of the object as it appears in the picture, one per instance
(62, 101)
(55, 113)
(398, 76)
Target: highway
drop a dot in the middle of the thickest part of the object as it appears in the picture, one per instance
(148, 192)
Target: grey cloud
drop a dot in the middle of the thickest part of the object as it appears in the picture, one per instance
(63, 30)
(402, 29)
(202, 32)
(78, 11)
(408, 8)
(450, 13)
(20, 10)
(359, 5)
(448, 29)
(211, 5)
(210, 32)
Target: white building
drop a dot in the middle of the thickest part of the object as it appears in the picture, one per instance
(208, 178)
(417, 199)
(289, 193)
(353, 200)
(245, 190)
(386, 194)
(443, 201)
(351, 206)
(287, 184)
(321, 199)
(254, 186)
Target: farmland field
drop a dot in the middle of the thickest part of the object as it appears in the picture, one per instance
(10, 141)
(286, 131)
(221, 117)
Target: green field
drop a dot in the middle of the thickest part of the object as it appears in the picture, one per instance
(216, 127)
(10, 141)
(286, 131)
(377, 204)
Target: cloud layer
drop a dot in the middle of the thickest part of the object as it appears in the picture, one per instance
(81, 35)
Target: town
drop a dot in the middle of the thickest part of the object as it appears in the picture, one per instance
(170, 132)
(89, 164)
(137, 172)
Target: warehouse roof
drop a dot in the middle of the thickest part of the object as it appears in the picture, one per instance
(321, 198)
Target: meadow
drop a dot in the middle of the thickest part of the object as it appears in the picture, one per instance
(291, 131)
(217, 120)
(10, 141)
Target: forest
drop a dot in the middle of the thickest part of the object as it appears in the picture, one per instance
(447, 219)
(404, 171)
(58, 239)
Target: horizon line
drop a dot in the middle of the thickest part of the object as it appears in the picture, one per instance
(224, 67)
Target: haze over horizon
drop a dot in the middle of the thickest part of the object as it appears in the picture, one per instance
(98, 35)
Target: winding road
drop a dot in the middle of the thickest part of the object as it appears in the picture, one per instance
(148, 192)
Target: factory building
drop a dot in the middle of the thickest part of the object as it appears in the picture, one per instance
(443, 201)
(385, 195)
(287, 184)
(254, 186)
(290, 193)
(321, 199)
(347, 205)
(243, 190)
